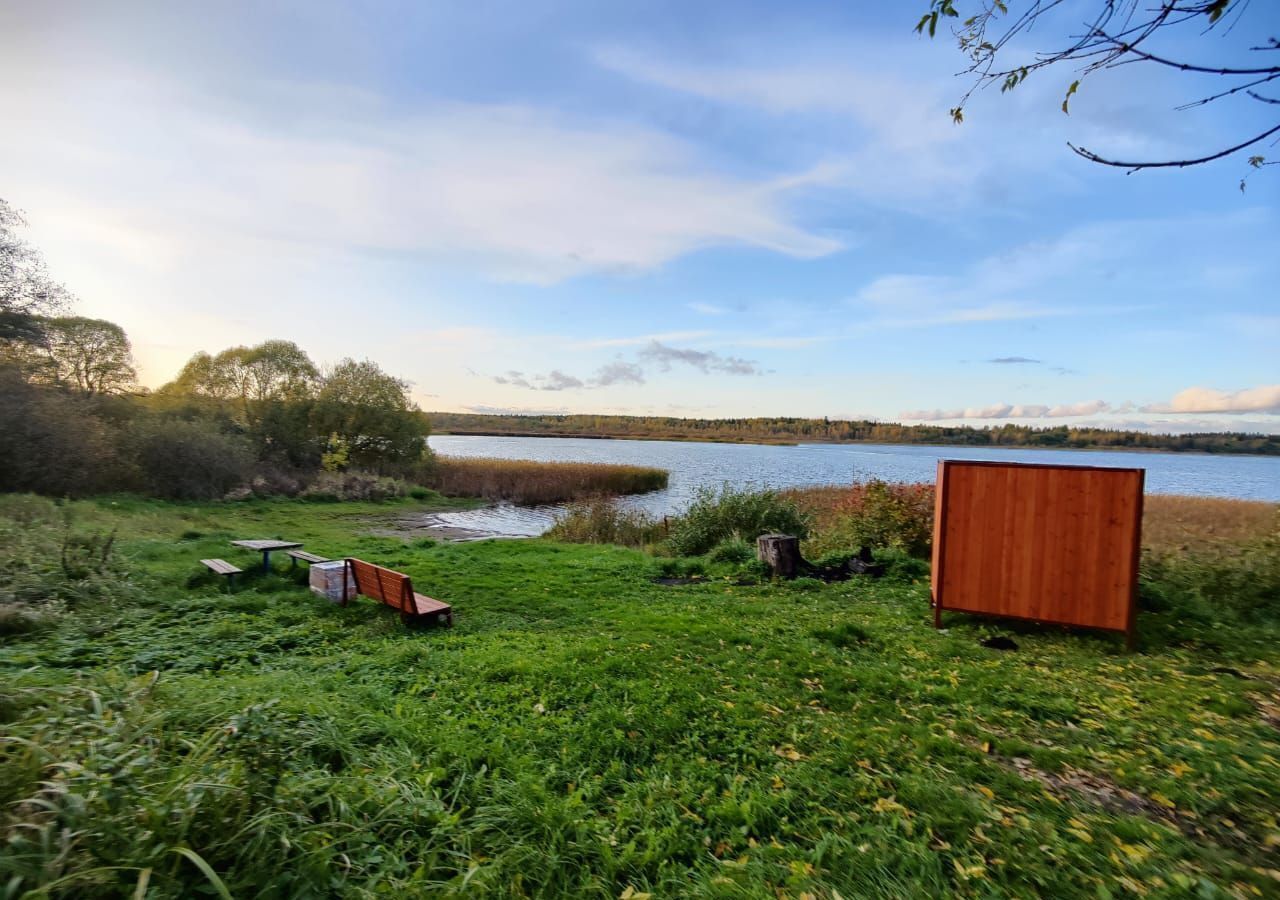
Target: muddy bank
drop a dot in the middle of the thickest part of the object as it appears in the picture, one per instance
(430, 525)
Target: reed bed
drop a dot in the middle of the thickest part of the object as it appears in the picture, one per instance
(529, 482)
(1170, 523)
(1176, 524)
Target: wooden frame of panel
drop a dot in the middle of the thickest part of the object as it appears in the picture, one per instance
(1056, 544)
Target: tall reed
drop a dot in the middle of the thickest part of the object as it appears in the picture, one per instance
(529, 482)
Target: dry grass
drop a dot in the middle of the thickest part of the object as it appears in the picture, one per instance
(1171, 524)
(1176, 524)
(529, 482)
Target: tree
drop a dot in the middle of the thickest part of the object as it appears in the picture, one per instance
(26, 290)
(1116, 33)
(92, 356)
(371, 415)
(273, 371)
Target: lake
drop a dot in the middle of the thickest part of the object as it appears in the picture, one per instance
(694, 465)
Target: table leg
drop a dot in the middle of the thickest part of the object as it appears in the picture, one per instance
(266, 560)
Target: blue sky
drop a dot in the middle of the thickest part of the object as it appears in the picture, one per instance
(655, 208)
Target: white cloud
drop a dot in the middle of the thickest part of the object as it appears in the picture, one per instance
(518, 193)
(1262, 399)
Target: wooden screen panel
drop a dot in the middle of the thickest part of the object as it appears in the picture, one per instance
(1048, 543)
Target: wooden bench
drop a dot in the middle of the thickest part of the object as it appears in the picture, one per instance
(306, 557)
(396, 590)
(221, 567)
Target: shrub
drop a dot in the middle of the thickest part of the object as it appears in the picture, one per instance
(185, 460)
(47, 565)
(902, 566)
(873, 514)
(733, 550)
(602, 521)
(733, 514)
(53, 442)
(1207, 585)
(338, 486)
(530, 482)
(270, 481)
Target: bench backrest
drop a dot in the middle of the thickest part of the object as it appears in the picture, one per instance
(380, 583)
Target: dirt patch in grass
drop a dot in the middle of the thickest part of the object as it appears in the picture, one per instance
(1100, 791)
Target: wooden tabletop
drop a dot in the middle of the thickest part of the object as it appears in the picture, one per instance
(267, 545)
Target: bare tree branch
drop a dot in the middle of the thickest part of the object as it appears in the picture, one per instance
(1177, 163)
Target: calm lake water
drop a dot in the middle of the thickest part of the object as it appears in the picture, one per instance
(694, 465)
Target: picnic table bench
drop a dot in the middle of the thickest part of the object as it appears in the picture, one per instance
(306, 557)
(221, 567)
(395, 589)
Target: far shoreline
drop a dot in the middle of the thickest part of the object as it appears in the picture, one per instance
(789, 443)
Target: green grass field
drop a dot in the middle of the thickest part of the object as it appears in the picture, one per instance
(585, 732)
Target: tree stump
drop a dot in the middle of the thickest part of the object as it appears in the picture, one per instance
(780, 552)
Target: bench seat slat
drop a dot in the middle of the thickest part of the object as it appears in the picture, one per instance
(427, 604)
(221, 566)
(307, 557)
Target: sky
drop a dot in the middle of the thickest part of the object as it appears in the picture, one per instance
(656, 208)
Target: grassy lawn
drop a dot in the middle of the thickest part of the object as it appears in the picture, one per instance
(583, 731)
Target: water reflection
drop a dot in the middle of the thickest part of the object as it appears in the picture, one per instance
(693, 465)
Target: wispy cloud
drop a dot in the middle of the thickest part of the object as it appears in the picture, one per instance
(639, 340)
(709, 309)
(516, 410)
(518, 192)
(623, 371)
(1011, 411)
(702, 360)
(1015, 360)
(618, 372)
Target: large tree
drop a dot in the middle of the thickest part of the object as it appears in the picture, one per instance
(92, 356)
(1107, 34)
(27, 292)
(273, 371)
(371, 414)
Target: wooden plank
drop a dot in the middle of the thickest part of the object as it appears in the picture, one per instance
(220, 566)
(307, 557)
(427, 604)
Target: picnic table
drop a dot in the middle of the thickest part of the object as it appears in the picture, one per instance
(265, 548)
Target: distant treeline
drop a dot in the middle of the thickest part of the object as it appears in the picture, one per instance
(793, 430)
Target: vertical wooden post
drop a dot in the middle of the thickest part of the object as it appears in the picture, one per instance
(780, 552)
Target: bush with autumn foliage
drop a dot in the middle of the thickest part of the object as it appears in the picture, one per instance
(873, 514)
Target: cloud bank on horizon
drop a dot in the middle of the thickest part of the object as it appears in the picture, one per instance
(731, 211)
